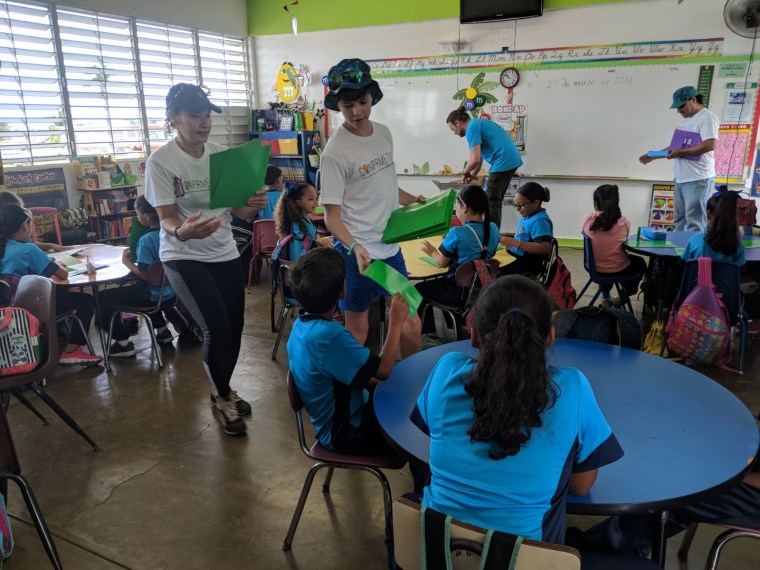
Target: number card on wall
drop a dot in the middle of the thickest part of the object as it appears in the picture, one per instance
(731, 152)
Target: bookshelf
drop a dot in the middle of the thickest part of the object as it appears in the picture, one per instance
(295, 152)
(110, 211)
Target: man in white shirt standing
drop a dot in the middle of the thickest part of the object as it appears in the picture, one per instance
(694, 179)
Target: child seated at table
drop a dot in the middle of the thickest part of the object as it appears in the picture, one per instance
(140, 294)
(7, 197)
(608, 230)
(721, 238)
(510, 434)
(19, 257)
(332, 371)
(477, 238)
(292, 216)
(273, 184)
(531, 244)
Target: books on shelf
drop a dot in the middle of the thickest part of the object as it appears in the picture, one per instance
(292, 168)
(110, 229)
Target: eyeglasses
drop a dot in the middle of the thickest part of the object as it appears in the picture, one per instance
(353, 76)
(519, 207)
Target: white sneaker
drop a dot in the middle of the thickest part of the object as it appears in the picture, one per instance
(232, 424)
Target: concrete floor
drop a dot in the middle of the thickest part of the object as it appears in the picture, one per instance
(168, 489)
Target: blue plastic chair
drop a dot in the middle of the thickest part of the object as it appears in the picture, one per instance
(593, 277)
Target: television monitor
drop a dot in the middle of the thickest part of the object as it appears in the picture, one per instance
(494, 10)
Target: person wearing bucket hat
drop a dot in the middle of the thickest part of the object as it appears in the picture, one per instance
(196, 244)
(694, 161)
(360, 192)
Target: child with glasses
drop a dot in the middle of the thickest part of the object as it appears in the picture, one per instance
(360, 192)
(531, 244)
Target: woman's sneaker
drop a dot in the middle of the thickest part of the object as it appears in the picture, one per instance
(79, 357)
(232, 424)
(243, 407)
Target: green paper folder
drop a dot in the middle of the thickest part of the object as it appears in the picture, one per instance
(136, 231)
(679, 251)
(393, 282)
(421, 219)
(751, 243)
(428, 259)
(237, 173)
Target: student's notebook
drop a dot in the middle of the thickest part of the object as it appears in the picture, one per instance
(237, 173)
(685, 139)
(421, 219)
(393, 282)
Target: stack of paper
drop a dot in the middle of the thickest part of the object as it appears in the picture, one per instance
(421, 219)
(393, 282)
(237, 173)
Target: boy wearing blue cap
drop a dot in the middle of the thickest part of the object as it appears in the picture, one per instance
(360, 192)
(694, 165)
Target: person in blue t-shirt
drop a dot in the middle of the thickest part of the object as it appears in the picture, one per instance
(721, 238)
(140, 294)
(292, 216)
(510, 434)
(532, 242)
(478, 238)
(332, 371)
(273, 184)
(487, 141)
(19, 256)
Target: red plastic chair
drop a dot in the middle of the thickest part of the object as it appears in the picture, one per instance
(331, 459)
(263, 243)
(54, 213)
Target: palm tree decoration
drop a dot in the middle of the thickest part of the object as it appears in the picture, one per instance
(482, 87)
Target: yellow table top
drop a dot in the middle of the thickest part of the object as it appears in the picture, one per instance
(419, 269)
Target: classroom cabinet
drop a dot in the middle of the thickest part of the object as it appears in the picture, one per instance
(110, 211)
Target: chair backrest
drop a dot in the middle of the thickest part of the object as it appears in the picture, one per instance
(297, 406)
(531, 555)
(37, 211)
(549, 263)
(264, 237)
(466, 276)
(726, 277)
(588, 256)
(8, 287)
(285, 283)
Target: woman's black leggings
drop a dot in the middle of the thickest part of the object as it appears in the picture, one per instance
(213, 293)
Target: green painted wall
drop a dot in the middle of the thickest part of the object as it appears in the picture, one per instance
(266, 17)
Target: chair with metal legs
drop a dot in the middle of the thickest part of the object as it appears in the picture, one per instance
(732, 532)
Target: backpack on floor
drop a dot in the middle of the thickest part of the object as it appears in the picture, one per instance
(599, 324)
(19, 341)
(282, 253)
(655, 283)
(700, 329)
(560, 287)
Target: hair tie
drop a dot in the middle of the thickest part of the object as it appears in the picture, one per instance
(290, 191)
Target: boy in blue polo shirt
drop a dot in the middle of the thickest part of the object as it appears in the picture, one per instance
(274, 183)
(332, 371)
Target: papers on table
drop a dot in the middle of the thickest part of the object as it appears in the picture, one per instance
(237, 173)
(421, 219)
(393, 282)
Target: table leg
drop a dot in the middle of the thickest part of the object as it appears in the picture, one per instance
(101, 333)
(659, 543)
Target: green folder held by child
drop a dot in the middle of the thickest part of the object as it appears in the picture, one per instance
(393, 282)
(136, 231)
(421, 219)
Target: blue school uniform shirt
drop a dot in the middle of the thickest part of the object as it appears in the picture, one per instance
(698, 247)
(147, 255)
(26, 258)
(273, 196)
(461, 245)
(298, 245)
(331, 371)
(523, 494)
(538, 228)
(496, 146)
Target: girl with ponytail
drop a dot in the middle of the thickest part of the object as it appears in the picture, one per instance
(510, 434)
(477, 238)
(531, 244)
(608, 230)
(721, 238)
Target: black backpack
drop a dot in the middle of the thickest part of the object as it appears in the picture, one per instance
(655, 282)
(599, 324)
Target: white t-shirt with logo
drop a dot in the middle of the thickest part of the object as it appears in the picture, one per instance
(359, 175)
(706, 124)
(174, 177)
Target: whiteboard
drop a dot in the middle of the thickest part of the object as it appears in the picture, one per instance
(593, 121)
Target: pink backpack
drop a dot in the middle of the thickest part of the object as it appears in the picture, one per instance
(19, 341)
(700, 330)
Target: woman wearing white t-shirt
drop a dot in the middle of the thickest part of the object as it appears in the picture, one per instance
(197, 248)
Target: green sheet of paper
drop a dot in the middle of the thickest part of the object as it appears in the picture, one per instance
(679, 251)
(393, 282)
(430, 260)
(645, 243)
(751, 243)
(136, 231)
(421, 219)
(237, 173)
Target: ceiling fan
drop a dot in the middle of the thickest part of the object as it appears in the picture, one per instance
(743, 17)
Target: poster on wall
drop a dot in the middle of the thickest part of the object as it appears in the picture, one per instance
(44, 187)
(731, 152)
(755, 190)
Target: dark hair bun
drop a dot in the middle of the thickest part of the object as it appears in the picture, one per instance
(547, 194)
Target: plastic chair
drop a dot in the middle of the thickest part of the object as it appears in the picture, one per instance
(53, 212)
(726, 277)
(407, 539)
(263, 243)
(466, 277)
(285, 287)
(734, 531)
(593, 277)
(11, 470)
(155, 277)
(331, 459)
(544, 276)
(37, 295)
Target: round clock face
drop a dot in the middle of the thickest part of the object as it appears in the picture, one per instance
(509, 77)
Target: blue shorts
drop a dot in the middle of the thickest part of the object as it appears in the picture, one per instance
(361, 290)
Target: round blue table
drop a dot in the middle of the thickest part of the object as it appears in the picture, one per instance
(680, 239)
(685, 437)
